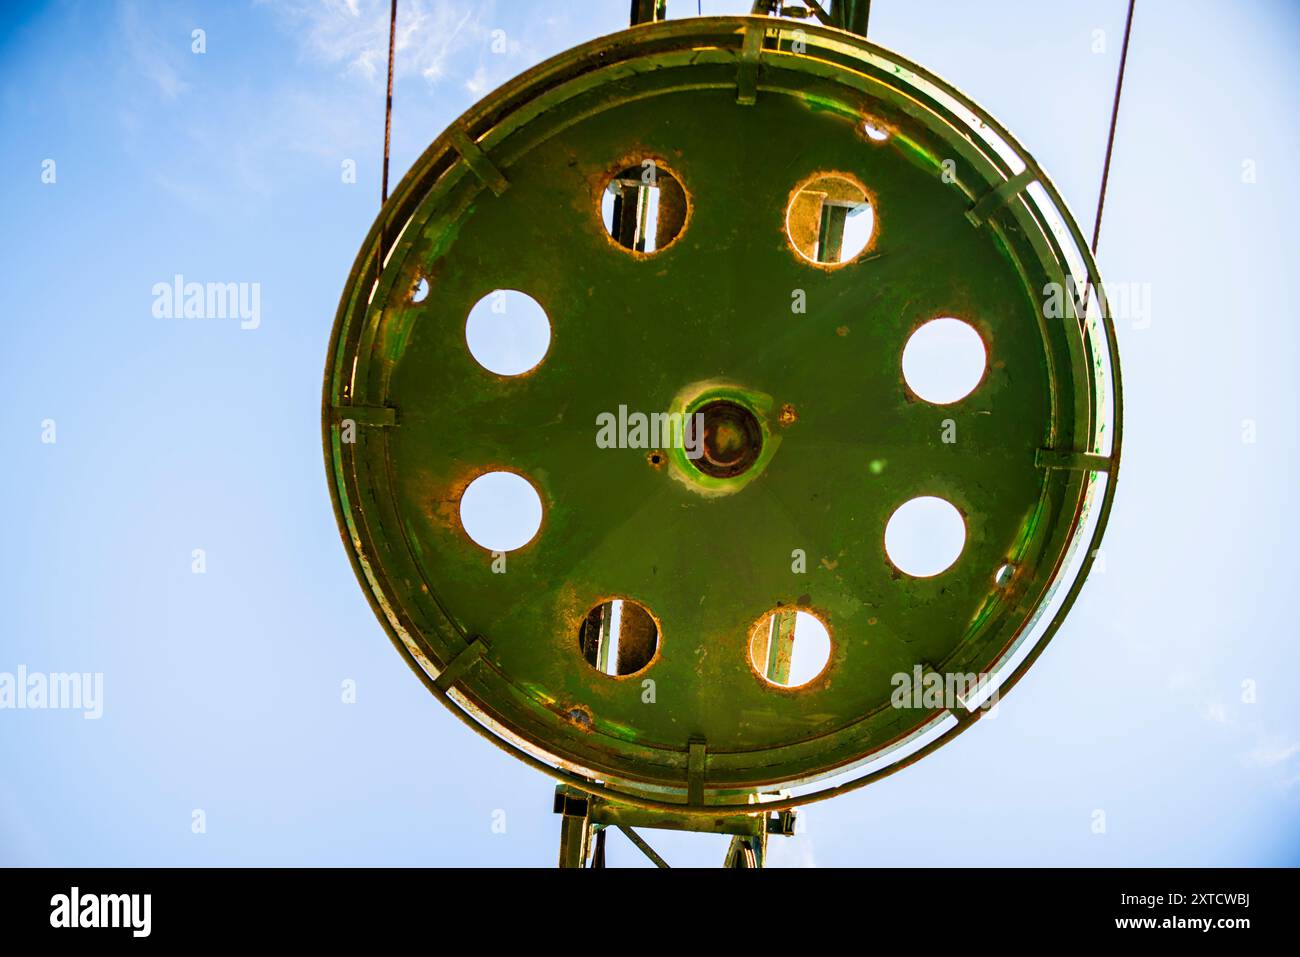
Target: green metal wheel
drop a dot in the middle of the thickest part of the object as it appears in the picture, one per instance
(769, 146)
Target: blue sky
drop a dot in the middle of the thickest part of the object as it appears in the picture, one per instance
(222, 690)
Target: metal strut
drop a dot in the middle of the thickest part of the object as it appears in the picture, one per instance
(586, 818)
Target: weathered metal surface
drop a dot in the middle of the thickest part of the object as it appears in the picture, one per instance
(510, 199)
(757, 820)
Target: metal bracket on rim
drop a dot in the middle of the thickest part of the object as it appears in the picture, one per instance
(999, 196)
(747, 75)
(698, 753)
(457, 667)
(1073, 461)
(378, 416)
(478, 161)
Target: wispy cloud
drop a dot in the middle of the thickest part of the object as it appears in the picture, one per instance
(354, 34)
(149, 55)
(1215, 712)
(1270, 754)
(478, 83)
(1277, 754)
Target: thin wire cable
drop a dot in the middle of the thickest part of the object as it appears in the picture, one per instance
(1114, 119)
(388, 109)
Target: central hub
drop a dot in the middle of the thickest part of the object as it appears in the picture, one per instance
(733, 439)
(726, 437)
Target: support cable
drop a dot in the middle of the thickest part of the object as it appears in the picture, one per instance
(388, 108)
(1114, 119)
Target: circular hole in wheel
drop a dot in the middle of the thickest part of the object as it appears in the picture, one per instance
(944, 360)
(925, 536)
(789, 648)
(644, 207)
(830, 219)
(501, 511)
(618, 637)
(508, 332)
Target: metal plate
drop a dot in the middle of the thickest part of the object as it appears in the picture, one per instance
(509, 198)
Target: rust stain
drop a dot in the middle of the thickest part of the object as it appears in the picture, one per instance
(578, 715)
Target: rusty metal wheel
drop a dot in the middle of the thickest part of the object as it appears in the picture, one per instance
(775, 147)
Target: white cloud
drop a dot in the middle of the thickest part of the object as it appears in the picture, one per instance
(477, 85)
(354, 34)
(1269, 754)
(158, 61)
